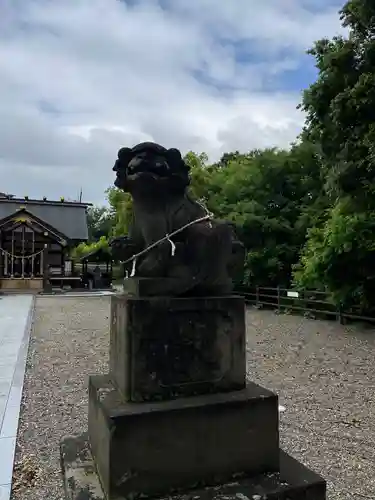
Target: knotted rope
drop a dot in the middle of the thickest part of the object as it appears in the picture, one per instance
(167, 237)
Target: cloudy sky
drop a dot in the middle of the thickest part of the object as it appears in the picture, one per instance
(81, 78)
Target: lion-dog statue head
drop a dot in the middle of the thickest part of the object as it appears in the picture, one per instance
(149, 167)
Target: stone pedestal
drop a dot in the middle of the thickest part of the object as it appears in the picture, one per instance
(149, 448)
(174, 415)
(163, 348)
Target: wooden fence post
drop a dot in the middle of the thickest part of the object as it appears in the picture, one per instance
(340, 317)
(278, 297)
(340, 314)
(257, 295)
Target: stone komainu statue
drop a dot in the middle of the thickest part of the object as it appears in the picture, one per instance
(195, 254)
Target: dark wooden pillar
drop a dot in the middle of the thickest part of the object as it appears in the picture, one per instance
(46, 284)
(62, 262)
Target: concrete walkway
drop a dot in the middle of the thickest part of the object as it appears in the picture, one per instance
(15, 322)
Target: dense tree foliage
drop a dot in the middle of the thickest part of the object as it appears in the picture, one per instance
(84, 249)
(340, 108)
(267, 194)
(99, 222)
(306, 214)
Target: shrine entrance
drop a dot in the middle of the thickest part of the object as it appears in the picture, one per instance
(28, 250)
(23, 256)
(22, 252)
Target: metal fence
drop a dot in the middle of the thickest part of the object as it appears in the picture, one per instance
(313, 302)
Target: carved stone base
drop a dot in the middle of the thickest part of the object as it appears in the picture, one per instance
(163, 348)
(294, 482)
(148, 448)
(149, 287)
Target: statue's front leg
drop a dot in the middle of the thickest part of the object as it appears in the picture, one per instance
(154, 263)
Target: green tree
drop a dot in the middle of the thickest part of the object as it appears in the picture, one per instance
(86, 248)
(269, 196)
(226, 158)
(200, 173)
(120, 204)
(99, 222)
(340, 108)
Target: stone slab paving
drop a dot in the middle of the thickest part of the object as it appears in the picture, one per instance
(15, 323)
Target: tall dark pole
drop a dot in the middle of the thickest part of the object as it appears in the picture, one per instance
(45, 268)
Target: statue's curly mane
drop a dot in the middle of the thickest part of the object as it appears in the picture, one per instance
(149, 160)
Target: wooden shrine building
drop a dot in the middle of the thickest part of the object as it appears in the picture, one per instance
(36, 237)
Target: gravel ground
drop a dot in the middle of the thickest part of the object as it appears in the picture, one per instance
(69, 342)
(324, 375)
(322, 372)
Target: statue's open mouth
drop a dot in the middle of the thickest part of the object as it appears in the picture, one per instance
(141, 177)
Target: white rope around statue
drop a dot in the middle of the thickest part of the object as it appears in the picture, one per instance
(167, 237)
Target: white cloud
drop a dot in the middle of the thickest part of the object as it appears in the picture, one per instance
(81, 78)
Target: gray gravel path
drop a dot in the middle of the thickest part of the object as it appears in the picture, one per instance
(69, 342)
(323, 373)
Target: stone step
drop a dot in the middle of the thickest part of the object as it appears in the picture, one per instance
(180, 442)
(293, 482)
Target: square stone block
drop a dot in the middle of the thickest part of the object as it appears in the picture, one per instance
(151, 448)
(163, 348)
